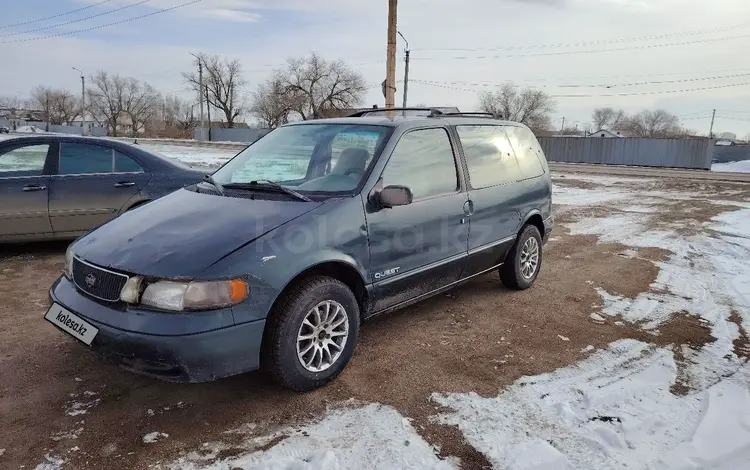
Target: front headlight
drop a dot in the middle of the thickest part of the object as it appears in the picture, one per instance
(196, 295)
(69, 262)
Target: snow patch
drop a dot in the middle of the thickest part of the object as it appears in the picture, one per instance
(152, 437)
(612, 410)
(52, 462)
(366, 437)
(732, 167)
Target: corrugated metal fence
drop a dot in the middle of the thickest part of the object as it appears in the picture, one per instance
(669, 153)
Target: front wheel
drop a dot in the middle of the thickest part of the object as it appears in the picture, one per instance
(522, 264)
(310, 336)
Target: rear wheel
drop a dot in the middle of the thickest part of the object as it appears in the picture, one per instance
(311, 334)
(524, 260)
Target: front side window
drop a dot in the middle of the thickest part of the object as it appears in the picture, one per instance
(489, 156)
(528, 151)
(84, 159)
(23, 161)
(309, 158)
(423, 160)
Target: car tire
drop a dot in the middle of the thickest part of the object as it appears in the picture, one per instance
(284, 354)
(519, 270)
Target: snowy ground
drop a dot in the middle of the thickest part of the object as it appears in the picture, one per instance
(207, 157)
(629, 405)
(664, 387)
(733, 167)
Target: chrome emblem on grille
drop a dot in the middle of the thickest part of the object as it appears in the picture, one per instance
(90, 280)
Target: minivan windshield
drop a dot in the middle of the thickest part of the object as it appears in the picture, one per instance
(324, 158)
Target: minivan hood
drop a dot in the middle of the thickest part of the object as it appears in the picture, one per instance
(183, 233)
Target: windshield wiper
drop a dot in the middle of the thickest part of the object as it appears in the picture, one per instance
(210, 179)
(268, 184)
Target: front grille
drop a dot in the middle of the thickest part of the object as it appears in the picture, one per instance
(98, 282)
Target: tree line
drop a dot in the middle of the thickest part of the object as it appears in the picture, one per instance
(303, 88)
(308, 87)
(534, 108)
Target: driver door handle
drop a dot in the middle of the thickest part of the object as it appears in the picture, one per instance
(469, 207)
(124, 184)
(33, 187)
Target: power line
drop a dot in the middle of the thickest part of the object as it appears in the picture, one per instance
(588, 51)
(605, 95)
(108, 12)
(658, 82)
(593, 43)
(68, 33)
(733, 118)
(55, 16)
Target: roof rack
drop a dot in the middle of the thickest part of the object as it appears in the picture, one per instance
(475, 114)
(433, 111)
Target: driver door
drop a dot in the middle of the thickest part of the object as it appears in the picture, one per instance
(420, 247)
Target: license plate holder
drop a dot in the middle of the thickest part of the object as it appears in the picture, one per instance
(71, 323)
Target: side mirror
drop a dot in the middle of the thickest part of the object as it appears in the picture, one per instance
(392, 196)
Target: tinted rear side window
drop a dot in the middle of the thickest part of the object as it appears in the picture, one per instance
(489, 156)
(82, 159)
(125, 164)
(423, 160)
(528, 151)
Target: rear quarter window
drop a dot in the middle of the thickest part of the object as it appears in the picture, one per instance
(489, 156)
(528, 152)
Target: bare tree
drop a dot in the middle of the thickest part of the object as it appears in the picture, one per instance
(270, 105)
(312, 84)
(223, 85)
(67, 107)
(186, 119)
(10, 102)
(527, 106)
(747, 138)
(572, 131)
(726, 136)
(59, 106)
(177, 117)
(653, 124)
(42, 99)
(140, 103)
(114, 99)
(105, 99)
(608, 118)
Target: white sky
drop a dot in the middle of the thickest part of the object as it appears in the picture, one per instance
(262, 34)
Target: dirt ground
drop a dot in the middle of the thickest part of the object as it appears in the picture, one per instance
(59, 399)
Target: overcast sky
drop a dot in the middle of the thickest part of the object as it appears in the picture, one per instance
(458, 48)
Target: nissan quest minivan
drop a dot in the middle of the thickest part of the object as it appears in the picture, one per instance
(276, 259)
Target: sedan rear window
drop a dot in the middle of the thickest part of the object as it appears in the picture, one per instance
(83, 159)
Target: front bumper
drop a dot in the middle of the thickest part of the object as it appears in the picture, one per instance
(195, 357)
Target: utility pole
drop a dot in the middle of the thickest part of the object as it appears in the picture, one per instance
(208, 108)
(390, 63)
(563, 126)
(406, 70)
(83, 100)
(711, 131)
(200, 91)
